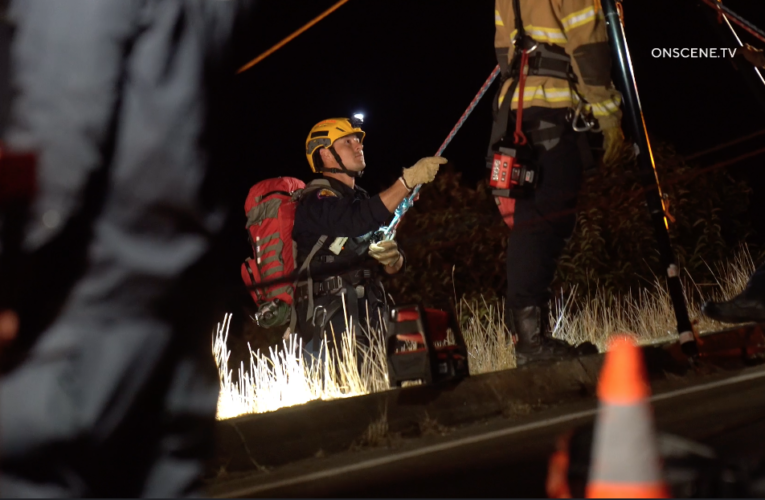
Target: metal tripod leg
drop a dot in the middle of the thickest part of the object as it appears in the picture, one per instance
(647, 172)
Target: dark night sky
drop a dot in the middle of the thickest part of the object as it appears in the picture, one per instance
(413, 66)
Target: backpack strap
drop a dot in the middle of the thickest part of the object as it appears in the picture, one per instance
(318, 184)
(308, 189)
(307, 267)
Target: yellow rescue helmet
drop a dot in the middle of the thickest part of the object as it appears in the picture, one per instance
(326, 132)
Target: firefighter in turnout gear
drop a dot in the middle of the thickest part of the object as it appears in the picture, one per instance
(335, 222)
(556, 65)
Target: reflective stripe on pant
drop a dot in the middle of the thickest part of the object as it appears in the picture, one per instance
(544, 220)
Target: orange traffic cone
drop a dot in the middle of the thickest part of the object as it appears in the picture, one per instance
(625, 457)
(557, 470)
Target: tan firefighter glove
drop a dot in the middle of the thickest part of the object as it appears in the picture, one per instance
(613, 141)
(423, 171)
(756, 57)
(385, 252)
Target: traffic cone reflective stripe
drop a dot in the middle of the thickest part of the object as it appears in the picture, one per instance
(625, 455)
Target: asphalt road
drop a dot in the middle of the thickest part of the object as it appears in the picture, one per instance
(507, 458)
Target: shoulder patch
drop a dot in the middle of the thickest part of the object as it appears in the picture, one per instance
(326, 193)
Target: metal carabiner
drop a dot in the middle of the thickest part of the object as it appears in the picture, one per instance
(324, 316)
(578, 114)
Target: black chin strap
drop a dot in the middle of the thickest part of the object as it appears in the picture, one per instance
(342, 168)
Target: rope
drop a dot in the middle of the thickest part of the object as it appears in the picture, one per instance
(723, 146)
(604, 203)
(749, 27)
(389, 231)
(469, 110)
(290, 38)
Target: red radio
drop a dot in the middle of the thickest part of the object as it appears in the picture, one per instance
(509, 170)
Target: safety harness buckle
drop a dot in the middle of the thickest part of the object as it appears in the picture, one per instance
(544, 59)
(329, 285)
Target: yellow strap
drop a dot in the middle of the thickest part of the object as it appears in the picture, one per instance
(290, 38)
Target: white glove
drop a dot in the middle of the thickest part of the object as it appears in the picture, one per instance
(423, 171)
(385, 252)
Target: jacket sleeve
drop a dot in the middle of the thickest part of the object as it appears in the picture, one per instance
(341, 217)
(585, 28)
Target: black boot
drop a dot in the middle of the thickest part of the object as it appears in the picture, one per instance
(743, 308)
(529, 324)
(583, 349)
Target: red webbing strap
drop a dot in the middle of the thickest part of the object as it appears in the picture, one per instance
(518, 137)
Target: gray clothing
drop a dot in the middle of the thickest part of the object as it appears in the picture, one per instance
(115, 393)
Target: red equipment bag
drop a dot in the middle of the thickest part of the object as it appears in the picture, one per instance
(270, 209)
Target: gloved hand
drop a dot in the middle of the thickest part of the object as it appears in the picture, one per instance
(423, 171)
(756, 57)
(385, 252)
(613, 140)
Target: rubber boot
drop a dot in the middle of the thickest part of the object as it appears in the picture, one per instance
(528, 325)
(743, 308)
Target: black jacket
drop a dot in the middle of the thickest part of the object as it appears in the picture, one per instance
(338, 212)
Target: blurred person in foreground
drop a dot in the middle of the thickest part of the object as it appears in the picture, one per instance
(107, 384)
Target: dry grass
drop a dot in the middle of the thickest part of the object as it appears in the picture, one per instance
(485, 336)
(647, 312)
(285, 377)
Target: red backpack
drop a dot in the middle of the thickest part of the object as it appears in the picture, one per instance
(270, 209)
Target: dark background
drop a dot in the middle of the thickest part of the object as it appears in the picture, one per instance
(413, 66)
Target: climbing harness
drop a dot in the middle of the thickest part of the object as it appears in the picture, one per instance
(511, 166)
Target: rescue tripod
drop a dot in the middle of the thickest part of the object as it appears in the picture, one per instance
(647, 172)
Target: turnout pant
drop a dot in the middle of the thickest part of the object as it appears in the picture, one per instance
(111, 389)
(544, 220)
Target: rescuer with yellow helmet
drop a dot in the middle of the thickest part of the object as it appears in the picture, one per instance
(324, 134)
(335, 222)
